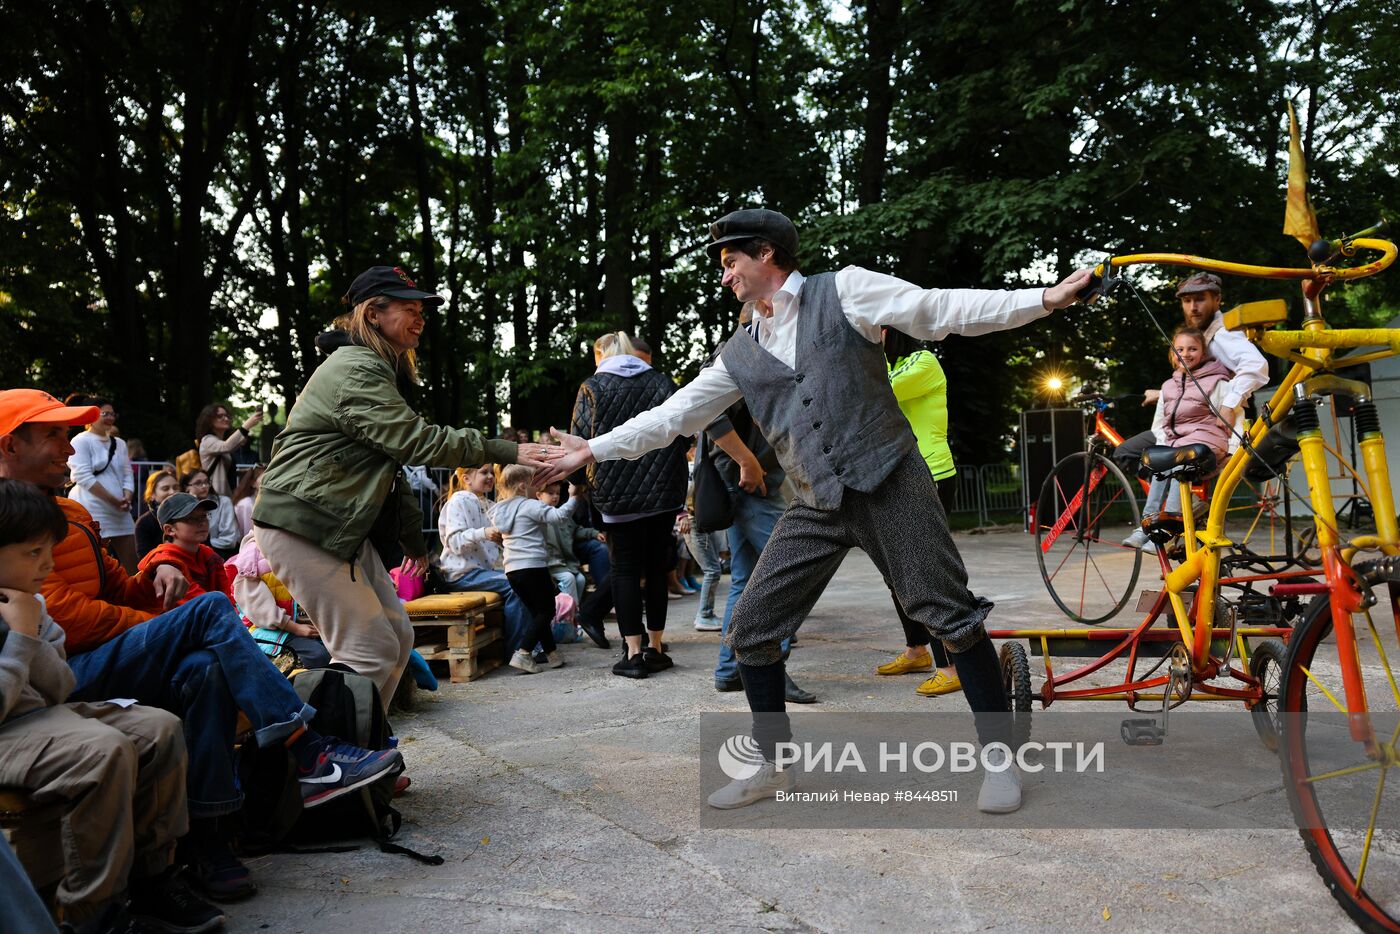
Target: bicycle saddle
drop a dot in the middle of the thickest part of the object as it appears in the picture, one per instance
(1273, 451)
(1188, 462)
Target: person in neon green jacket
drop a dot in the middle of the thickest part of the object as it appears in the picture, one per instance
(921, 389)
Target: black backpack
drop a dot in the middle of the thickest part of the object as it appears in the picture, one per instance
(347, 707)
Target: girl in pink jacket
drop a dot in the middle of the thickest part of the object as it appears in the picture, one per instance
(1183, 417)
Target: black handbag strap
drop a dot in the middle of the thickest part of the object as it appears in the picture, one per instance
(111, 453)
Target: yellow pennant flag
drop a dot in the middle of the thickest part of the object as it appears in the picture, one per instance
(1299, 221)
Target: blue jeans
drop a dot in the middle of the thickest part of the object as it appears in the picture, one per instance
(754, 518)
(518, 621)
(198, 662)
(702, 549)
(594, 554)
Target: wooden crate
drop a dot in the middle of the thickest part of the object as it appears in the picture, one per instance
(459, 634)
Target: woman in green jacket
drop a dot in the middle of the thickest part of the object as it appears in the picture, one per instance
(335, 477)
(921, 389)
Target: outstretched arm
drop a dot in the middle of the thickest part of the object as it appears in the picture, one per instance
(872, 300)
(686, 412)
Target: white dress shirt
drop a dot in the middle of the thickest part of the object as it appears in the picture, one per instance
(1240, 357)
(869, 300)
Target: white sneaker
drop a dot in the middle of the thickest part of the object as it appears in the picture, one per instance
(1136, 540)
(1001, 791)
(555, 659)
(707, 624)
(765, 783)
(1150, 548)
(522, 660)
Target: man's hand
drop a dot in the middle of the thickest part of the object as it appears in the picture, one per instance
(1228, 416)
(493, 534)
(683, 525)
(571, 454)
(20, 611)
(170, 585)
(751, 476)
(414, 567)
(1066, 293)
(534, 455)
(1150, 397)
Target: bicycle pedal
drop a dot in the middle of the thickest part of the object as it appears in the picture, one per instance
(1142, 732)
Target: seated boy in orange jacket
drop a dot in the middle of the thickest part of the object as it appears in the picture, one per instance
(185, 521)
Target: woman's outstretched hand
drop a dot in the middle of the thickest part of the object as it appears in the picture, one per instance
(571, 453)
(534, 455)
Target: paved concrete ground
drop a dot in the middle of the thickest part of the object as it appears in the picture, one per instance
(570, 800)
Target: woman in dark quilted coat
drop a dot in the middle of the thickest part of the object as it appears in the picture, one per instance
(637, 500)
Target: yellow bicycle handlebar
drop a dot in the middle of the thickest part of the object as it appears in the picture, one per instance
(1384, 247)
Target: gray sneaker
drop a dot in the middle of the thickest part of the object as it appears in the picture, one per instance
(1001, 790)
(765, 783)
(707, 624)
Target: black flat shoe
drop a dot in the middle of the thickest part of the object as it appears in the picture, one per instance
(724, 685)
(595, 632)
(656, 661)
(794, 694)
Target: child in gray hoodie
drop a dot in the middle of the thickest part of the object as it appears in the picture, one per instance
(521, 519)
(116, 769)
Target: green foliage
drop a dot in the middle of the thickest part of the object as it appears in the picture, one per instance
(186, 190)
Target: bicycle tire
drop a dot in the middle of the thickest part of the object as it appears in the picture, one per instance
(1300, 783)
(1064, 527)
(1267, 665)
(1016, 678)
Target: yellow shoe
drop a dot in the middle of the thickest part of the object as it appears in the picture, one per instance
(938, 685)
(903, 664)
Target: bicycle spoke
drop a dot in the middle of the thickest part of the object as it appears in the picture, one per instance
(1322, 688)
(1376, 638)
(1108, 588)
(1370, 831)
(1343, 772)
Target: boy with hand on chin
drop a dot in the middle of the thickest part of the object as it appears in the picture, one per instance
(118, 772)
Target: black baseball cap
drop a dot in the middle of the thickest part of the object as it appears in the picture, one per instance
(389, 281)
(180, 505)
(750, 223)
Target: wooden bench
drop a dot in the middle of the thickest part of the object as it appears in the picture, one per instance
(459, 631)
(33, 831)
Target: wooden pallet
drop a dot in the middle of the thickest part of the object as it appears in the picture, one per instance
(459, 634)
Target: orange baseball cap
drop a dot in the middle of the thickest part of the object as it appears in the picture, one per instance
(21, 406)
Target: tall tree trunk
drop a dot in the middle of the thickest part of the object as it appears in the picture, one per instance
(656, 314)
(619, 228)
(882, 41)
(427, 254)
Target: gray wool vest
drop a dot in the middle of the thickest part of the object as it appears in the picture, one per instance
(833, 421)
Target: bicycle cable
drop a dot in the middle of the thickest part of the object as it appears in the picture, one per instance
(1241, 437)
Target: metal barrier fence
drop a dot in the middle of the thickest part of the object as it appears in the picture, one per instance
(991, 492)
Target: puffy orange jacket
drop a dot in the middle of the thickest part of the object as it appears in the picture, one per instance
(88, 593)
(204, 569)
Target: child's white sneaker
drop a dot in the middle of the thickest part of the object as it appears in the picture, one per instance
(522, 661)
(556, 660)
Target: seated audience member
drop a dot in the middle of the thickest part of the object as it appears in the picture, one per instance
(160, 486)
(243, 498)
(471, 548)
(195, 660)
(560, 540)
(269, 609)
(185, 521)
(117, 772)
(223, 525)
(216, 444)
(103, 482)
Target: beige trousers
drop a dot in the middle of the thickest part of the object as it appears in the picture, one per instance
(119, 773)
(353, 604)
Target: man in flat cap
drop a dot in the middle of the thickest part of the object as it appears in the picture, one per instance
(811, 368)
(1200, 308)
